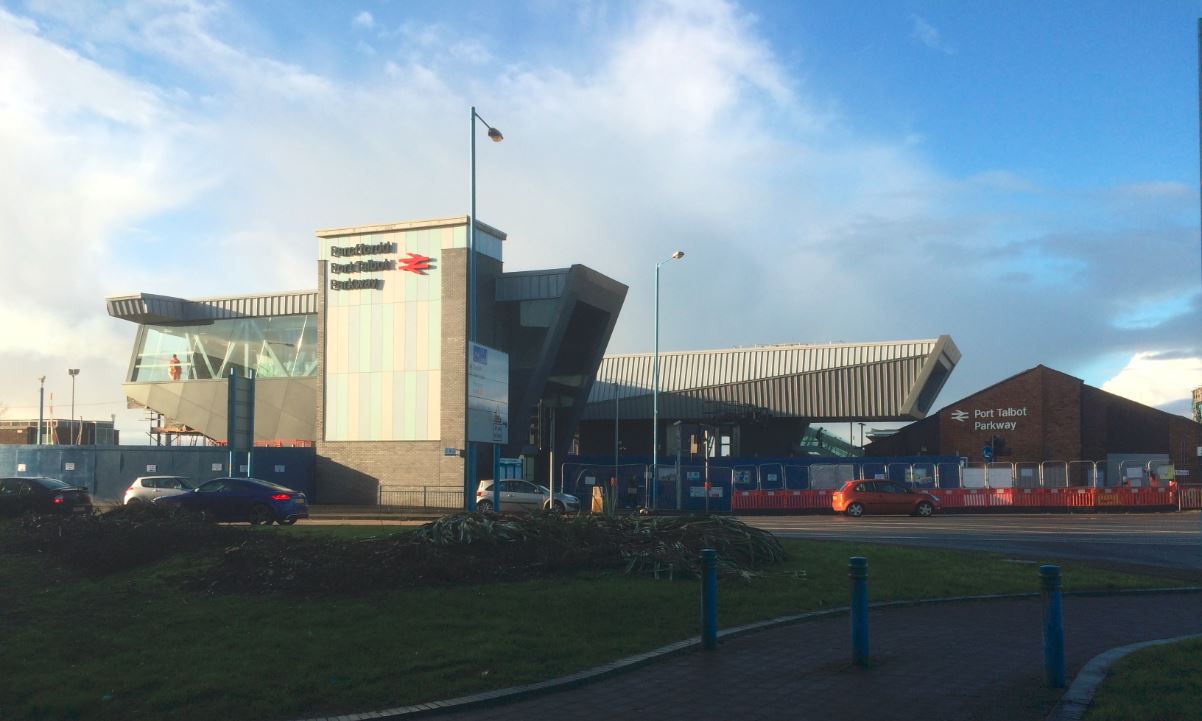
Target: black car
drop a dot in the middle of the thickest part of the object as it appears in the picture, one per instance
(36, 494)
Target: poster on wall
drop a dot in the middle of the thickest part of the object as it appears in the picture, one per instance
(487, 395)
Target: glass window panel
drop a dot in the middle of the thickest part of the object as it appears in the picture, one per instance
(275, 347)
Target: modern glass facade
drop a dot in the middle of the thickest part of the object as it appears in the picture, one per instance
(274, 347)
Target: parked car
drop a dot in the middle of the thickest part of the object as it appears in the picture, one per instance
(519, 495)
(147, 488)
(241, 499)
(863, 496)
(36, 494)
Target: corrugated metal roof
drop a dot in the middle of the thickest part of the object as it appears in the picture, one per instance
(696, 369)
(869, 380)
(148, 308)
(532, 285)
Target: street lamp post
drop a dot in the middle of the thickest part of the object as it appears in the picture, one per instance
(469, 462)
(73, 372)
(41, 406)
(655, 389)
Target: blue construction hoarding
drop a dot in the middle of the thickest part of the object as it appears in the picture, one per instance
(107, 471)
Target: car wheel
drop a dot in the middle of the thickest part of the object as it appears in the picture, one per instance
(261, 514)
(135, 502)
(287, 522)
(855, 510)
(484, 506)
(924, 509)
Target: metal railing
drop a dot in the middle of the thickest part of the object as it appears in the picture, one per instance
(443, 497)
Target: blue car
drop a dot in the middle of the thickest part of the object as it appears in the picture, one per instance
(242, 499)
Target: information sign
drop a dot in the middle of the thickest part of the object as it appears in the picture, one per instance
(488, 395)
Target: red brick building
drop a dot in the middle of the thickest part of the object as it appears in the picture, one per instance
(1042, 415)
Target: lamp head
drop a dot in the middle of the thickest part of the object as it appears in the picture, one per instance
(72, 371)
(495, 135)
(678, 255)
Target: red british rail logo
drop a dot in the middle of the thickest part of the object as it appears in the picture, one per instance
(414, 263)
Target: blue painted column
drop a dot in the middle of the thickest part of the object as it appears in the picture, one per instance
(709, 599)
(1053, 627)
(857, 571)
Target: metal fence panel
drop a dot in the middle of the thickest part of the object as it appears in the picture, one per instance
(441, 497)
(1027, 475)
(829, 476)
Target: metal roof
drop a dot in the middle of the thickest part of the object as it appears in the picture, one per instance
(151, 309)
(532, 284)
(880, 381)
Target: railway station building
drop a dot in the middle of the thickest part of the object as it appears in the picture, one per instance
(375, 367)
(1044, 420)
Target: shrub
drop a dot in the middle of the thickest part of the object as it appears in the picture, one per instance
(117, 540)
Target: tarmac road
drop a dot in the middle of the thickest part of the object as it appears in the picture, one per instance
(1164, 540)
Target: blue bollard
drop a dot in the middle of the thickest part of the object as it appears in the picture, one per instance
(857, 571)
(709, 599)
(1053, 627)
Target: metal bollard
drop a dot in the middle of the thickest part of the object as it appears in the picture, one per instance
(857, 571)
(1053, 628)
(709, 599)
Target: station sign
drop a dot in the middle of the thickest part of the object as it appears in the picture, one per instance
(357, 264)
(992, 419)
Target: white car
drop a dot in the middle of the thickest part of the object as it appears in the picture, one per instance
(147, 488)
(518, 495)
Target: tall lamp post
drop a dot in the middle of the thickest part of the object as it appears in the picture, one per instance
(73, 372)
(469, 463)
(41, 406)
(655, 389)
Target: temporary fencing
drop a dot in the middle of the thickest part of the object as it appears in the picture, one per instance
(781, 486)
(1189, 497)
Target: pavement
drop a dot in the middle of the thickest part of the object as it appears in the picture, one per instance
(962, 661)
(1171, 541)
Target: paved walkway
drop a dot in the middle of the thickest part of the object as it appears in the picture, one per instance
(973, 661)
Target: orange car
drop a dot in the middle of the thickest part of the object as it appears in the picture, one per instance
(859, 497)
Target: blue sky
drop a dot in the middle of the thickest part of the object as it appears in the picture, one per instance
(1021, 176)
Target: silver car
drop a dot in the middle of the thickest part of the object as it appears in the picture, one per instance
(518, 495)
(147, 488)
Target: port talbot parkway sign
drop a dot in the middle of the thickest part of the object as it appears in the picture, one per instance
(412, 262)
(992, 419)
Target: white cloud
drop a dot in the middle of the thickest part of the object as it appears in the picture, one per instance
(363, 21)
(928, 35)
(1156, 381)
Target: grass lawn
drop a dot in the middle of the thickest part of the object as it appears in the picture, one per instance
(1162, 683)
(136, 646)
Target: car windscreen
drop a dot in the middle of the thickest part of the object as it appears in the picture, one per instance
(51, 484)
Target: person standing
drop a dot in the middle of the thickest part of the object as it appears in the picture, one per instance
(173, 367)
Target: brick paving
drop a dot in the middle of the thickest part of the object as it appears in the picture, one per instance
(972, 661)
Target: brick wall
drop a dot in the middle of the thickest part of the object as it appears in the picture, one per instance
(1065, 420)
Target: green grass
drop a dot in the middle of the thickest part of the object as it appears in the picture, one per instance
(136, 646)
(1162, 683)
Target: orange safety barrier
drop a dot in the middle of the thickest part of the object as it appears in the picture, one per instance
(969, 498)
(1189, 497)
(780, 500)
